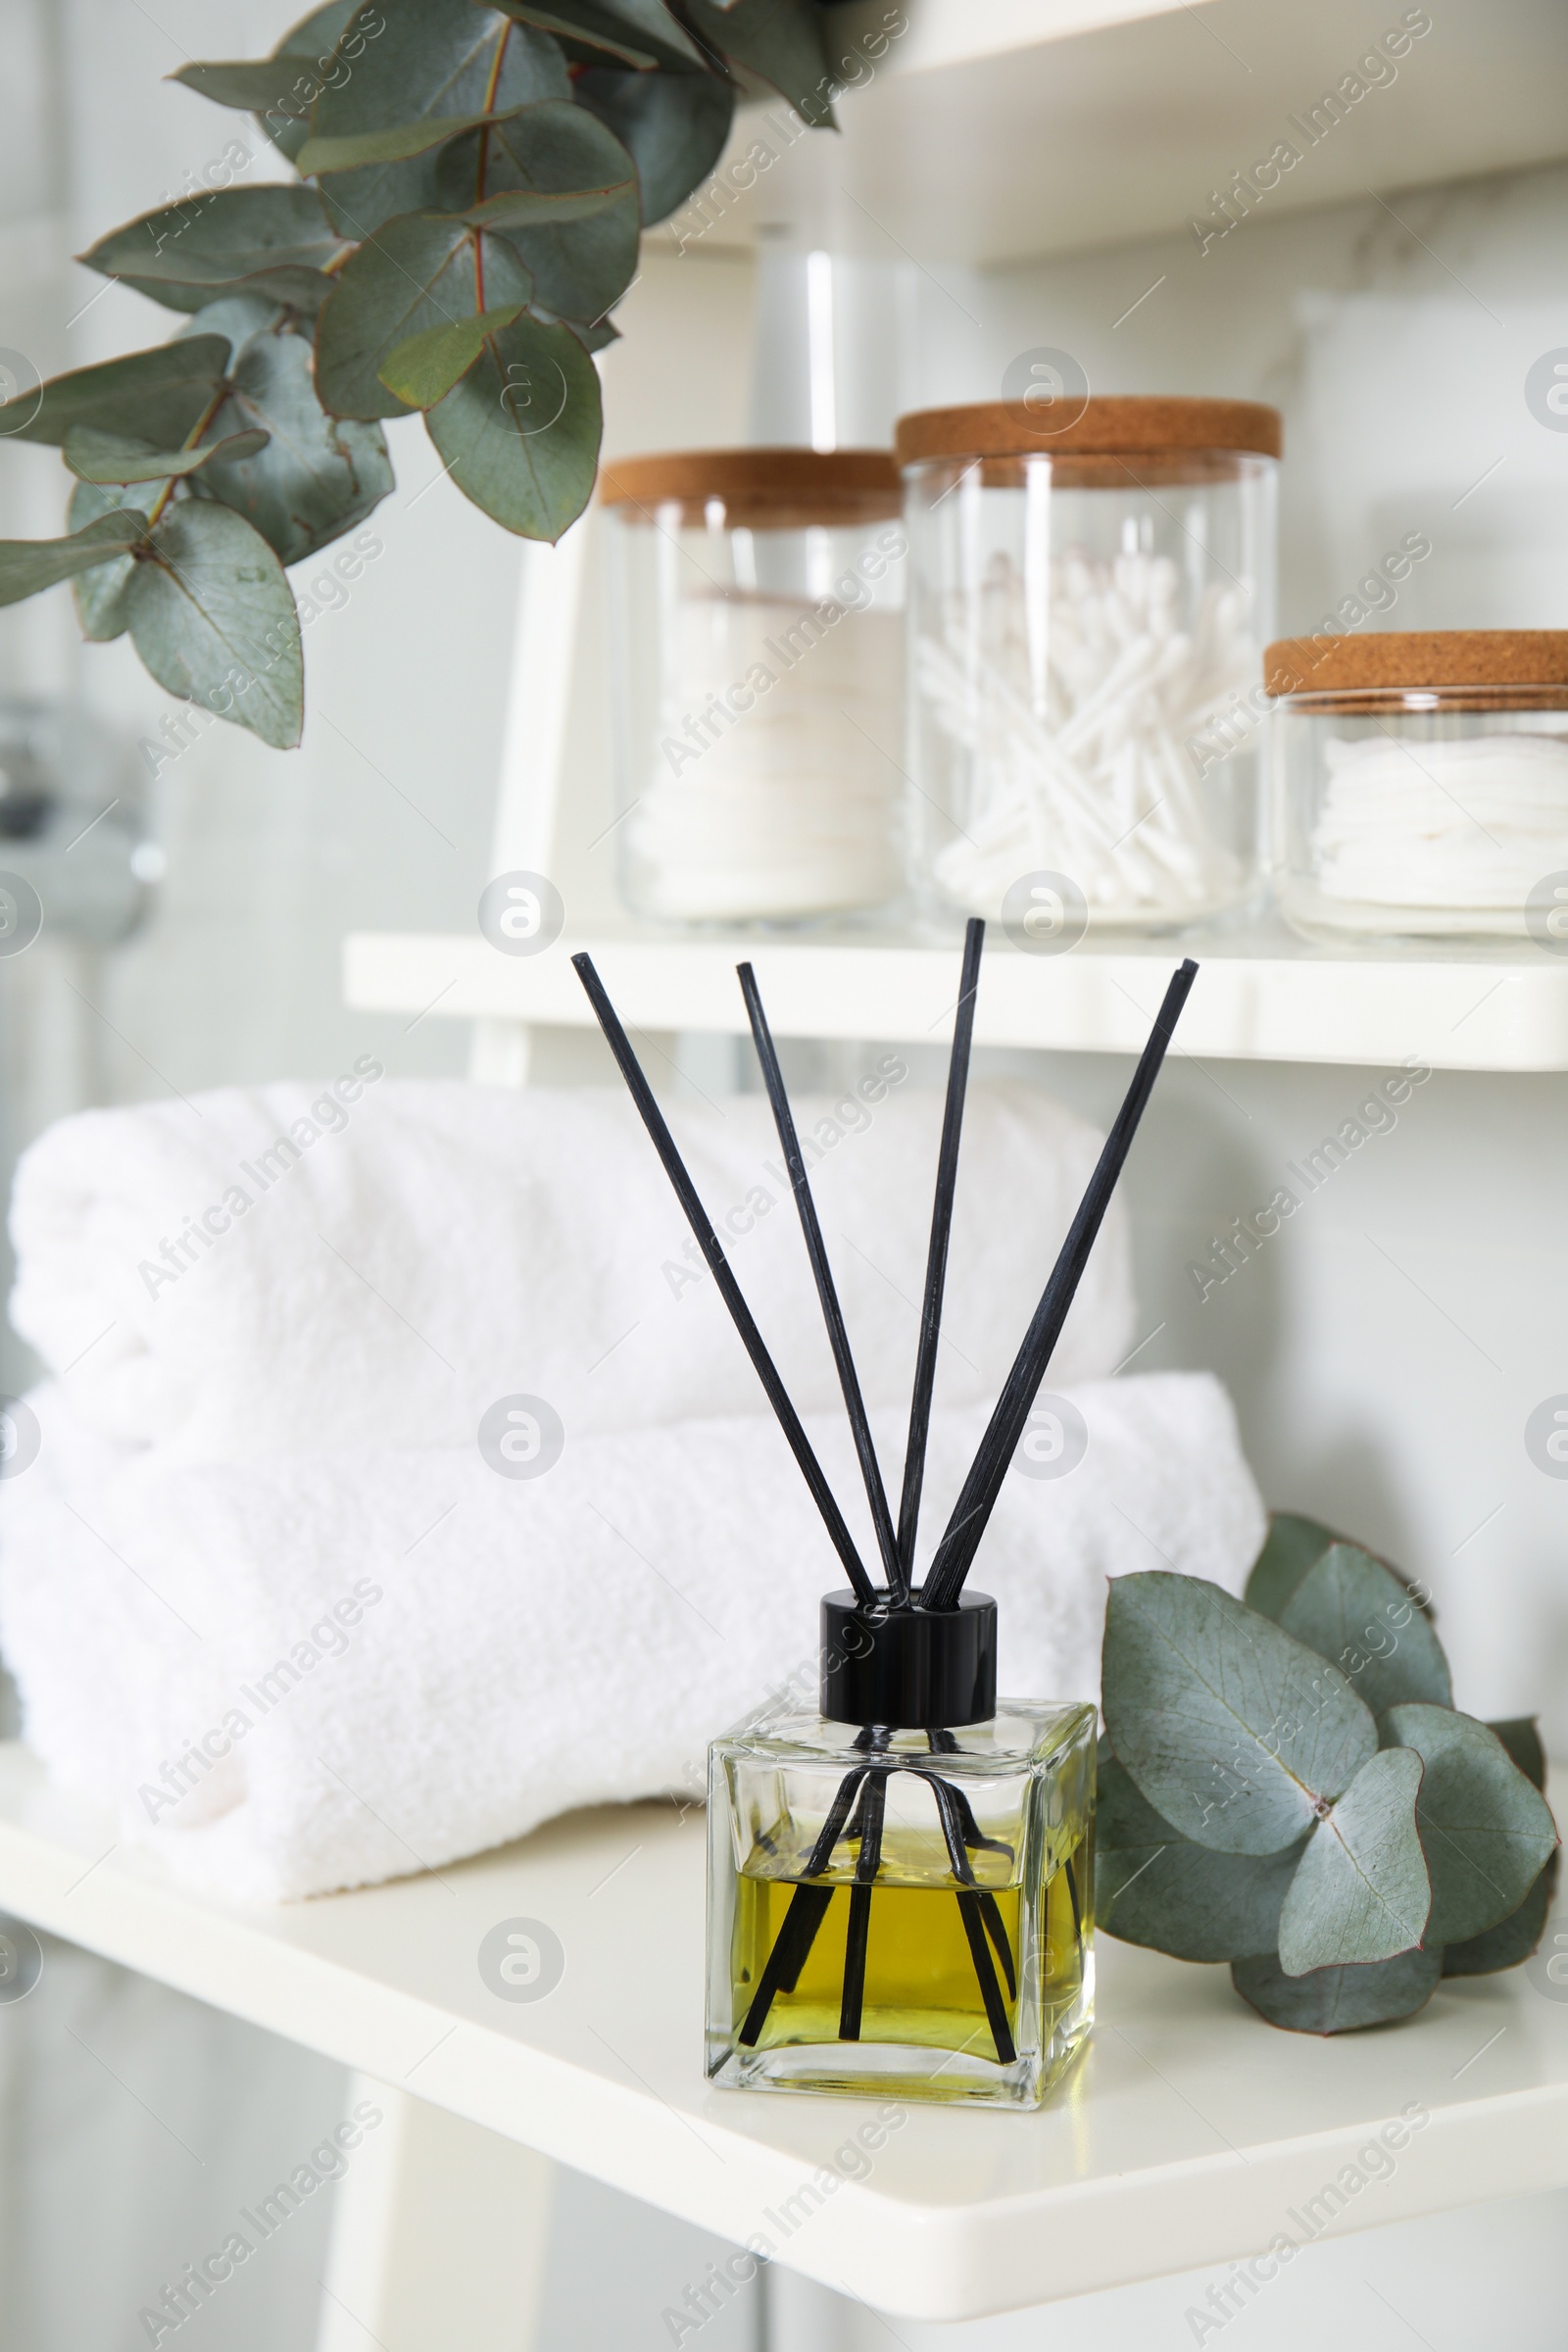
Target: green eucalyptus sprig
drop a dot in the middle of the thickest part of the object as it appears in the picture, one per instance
(1285, 1783)
(472, 183)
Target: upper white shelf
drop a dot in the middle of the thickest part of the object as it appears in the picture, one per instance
(995, 132)
(1260, 995)
(1184, 2139)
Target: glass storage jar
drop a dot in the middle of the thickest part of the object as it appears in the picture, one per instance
(1092, 585)
(1421, 784)
(757, 601)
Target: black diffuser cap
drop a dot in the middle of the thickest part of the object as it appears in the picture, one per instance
(911, 1669)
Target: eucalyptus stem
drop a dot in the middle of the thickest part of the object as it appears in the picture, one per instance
(192, 440)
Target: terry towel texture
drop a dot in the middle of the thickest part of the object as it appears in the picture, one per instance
(441, 1246)
(343, 1667)
(261, 1584)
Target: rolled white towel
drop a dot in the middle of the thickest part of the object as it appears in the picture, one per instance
(287, 1269)
(327, 1670)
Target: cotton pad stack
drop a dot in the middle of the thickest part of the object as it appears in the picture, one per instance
(1459, 831)
(776, 800)
(756, 650)
(1073, 725)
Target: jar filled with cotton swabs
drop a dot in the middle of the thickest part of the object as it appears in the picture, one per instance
(1092, 585)
(1422, 784)
(757, 639)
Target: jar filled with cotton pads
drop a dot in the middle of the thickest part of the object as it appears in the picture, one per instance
(1421, 783)
(757, 609)
(1092, 585)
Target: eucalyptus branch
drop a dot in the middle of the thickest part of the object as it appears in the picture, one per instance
(471, 183)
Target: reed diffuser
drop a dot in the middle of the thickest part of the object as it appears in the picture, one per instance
(900, 1883)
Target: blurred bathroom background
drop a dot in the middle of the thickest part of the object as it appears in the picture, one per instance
(1384, 1358)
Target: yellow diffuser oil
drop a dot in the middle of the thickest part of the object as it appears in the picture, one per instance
(907, 1913)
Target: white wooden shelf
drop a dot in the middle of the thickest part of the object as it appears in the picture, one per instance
(1183, 2138)
(998, 132)
(1260, 995)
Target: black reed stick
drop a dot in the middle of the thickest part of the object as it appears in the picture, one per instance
(971, 1910)
(961, 1831)
(822, 1273)
(809, 1906)
(936, 1265)
(720, 1268)
(792, 1948)
(970, 1513)
(857, 1933)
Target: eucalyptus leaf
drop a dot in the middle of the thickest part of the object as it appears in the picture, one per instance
(579, 267)
(1485, 1832)
(212, 618)
(274, 239)
(396, 144)
(784, 42)
(434, 57)
(1512, 1940)
(1292, 1546)
(672, 125)
(27, 566)
(236, 317)
(1234, 1732)
(527, 208)
(1355, 1612)
(1339, 2001)
(261, 85)
(157, 396)
(281, 91)
(95, 456)
(1521, 1737)
(424, 368)
(640, 32)
(520, 434)
(99, 593)
(1360, 1891)
(415, 273)
(316, 476)
(325, 47)
(1155, 1888)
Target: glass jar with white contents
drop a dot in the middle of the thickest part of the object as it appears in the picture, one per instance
(1421, 784)
(757, 639)
(1092, 585)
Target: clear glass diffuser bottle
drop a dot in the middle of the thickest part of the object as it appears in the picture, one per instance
(899, 1886)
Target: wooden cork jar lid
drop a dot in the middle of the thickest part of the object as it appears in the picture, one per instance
(1491, 665)
(758, 489)
(1106, 424)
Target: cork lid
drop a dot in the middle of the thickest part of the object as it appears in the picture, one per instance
(759, 489)
(1105, 424)
(1493, 662)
